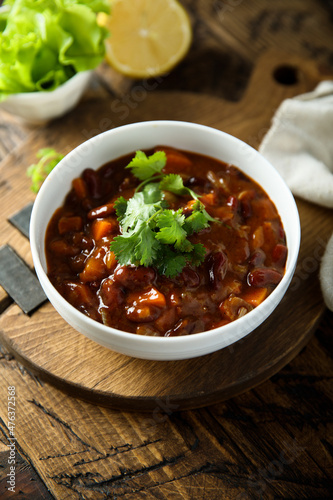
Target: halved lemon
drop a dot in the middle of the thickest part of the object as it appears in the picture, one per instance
(147, 37)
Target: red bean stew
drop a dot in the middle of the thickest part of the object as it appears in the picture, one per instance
(245, 252)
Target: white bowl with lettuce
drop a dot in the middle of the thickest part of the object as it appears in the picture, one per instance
(47, 53)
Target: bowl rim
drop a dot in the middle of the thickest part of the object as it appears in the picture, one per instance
(234, 328)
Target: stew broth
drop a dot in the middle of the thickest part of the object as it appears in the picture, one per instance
(245, 252)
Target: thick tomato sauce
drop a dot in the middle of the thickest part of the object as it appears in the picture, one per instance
(245, 258)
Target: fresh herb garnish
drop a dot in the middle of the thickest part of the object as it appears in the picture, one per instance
(152, 233)
(38, 172)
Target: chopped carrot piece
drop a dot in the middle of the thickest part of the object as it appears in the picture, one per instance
(258, 238)
(111, 260)
(223, 213)
(176, 161)
(264, 209)
(140, 314)
(270, 237)
(80, 188)
(255, 296)
(68, 224)
(152, 297)
(103, 227)
(209, 199)
(188, 209)
(94, 270)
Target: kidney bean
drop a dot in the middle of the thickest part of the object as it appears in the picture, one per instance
(279, 255)
(233, 202)
(166, 320)
(186, 326)
(257, 258)
(107, 171)
(195, 181)
(81, 241)
(183, 327)
(191, 278)
(216, 265)
(77, 263)
(174, 299)
(93, 182)
(112, 296)
(87, 204)
(102, 211)
(245, 198)
(134, 277)
(86, 243)
(263, 277)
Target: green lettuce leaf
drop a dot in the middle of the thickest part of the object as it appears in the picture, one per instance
(43, 43)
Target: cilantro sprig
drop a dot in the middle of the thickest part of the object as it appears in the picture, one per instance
(152, 233)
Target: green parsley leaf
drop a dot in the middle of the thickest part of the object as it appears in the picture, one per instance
(195, 222)
(170, 263)
(174, 184)
(171, 230)
(38, 172)
(138, 247)
(152, 234)
(137, 210)
(198, 254)
(144, 167)
(152, 193)
(147, 247)
(120, 206)
(124, 248)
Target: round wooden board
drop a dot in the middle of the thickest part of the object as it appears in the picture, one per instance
(62, 356)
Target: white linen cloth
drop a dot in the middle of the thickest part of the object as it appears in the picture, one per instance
(300, 146)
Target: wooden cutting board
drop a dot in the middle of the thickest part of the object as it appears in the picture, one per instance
(54, 351)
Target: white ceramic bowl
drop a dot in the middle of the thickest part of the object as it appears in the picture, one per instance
(192, 137)
(39, 107)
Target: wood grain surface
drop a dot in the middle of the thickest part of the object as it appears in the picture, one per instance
(57, 353)
(272, 442)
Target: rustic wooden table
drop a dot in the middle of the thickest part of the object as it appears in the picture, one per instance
(273, 441)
